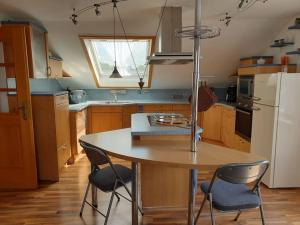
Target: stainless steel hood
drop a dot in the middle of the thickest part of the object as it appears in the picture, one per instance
(168, 46)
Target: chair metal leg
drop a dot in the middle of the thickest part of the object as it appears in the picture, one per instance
(261, 209)
(211, 209)
(238, 216)
(262, 214)
(129, 193)
(201, 208)
(110, 203)
(84, 199)
(116, 194)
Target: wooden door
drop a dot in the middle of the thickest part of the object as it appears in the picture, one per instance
(17, 151)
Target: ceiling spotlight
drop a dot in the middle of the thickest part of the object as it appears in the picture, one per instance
(226, 19)
(74, 17)
(97, 11)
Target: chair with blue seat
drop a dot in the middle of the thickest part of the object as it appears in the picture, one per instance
(107, 179)
(230, 189)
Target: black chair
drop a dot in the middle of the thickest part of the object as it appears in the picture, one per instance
(107, 179)
(228, 192)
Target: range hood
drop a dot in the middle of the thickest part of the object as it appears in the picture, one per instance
(168, 46)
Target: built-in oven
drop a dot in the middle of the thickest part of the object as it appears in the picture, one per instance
(243, 122)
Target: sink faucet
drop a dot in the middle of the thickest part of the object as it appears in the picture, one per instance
(115, 95)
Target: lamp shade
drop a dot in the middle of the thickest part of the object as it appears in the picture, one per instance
(115, 73)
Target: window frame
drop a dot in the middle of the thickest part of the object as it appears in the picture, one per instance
(102, 37)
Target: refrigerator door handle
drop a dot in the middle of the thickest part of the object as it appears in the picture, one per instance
(255, 108)
(256, 98)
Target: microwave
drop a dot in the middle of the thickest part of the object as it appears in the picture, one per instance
(245, 87)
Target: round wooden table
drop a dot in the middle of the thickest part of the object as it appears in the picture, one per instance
(174, 153)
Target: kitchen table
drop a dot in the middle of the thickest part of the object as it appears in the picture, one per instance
(173, 153)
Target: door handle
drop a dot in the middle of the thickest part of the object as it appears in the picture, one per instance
(244, 112)
(24, 109)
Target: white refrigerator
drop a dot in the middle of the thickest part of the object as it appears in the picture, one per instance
(276, 127)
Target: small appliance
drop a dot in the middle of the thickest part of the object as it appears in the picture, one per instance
(231, 93)
(77, 96)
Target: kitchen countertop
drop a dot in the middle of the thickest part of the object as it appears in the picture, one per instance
(140, 126)
(84, 105)
(81, 106)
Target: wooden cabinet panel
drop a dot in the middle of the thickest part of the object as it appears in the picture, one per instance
(62, 124)
(228, 127)
(106, 109)
(158, 108)
(127, 112)
(77, 129)
(242, 144)
(52, 134)
(182, 107)
(106, 121)
(212, 122)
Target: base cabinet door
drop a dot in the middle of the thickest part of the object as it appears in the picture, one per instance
(211, 123)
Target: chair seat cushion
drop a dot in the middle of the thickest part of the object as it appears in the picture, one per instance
(231, 197)
(104, 179)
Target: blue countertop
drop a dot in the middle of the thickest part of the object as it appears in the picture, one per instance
(140, 126)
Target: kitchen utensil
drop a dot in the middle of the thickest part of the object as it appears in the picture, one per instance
(77, 96)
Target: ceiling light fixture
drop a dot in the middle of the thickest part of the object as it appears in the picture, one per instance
(115, 73)
(97, 11)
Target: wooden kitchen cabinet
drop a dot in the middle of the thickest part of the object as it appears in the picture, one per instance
(37, 49)
(218, 125)
(127, 112)
(184, 109)
(104, 118)
(77, 129)
(52, 134)
(158, 108)
(228, 136)
(211, 123)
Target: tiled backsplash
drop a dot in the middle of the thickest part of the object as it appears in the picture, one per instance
(151, 94)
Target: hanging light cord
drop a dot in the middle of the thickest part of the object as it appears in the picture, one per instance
(126, 37)
(125, 34)
(115, 34)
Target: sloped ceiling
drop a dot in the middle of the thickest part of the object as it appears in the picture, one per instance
(249, 33)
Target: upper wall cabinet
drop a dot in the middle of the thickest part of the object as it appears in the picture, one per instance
(37, 48)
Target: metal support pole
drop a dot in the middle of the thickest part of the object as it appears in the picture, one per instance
(196, 77)
(192, 195)
(134, 189)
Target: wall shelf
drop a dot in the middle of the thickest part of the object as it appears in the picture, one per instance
(282, 45)
(294, 53)
(295, 27)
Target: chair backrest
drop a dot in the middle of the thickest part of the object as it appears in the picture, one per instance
(95, 156)
(242, 173)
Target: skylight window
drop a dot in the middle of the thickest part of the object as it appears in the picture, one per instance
(131, 61)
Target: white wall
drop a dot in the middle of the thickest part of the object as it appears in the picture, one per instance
(293, 35)
(244, 37)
